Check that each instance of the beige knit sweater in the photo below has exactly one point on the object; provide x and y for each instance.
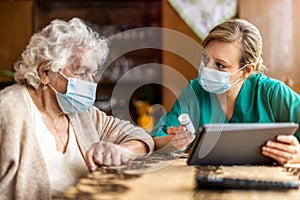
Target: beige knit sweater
(23, 173)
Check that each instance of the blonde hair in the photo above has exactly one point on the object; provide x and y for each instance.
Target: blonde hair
(244, 33)
(57, 44)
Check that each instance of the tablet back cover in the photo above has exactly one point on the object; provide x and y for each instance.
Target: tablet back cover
(236, 144)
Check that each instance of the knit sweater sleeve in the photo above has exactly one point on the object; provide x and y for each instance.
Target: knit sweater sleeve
(117, 131)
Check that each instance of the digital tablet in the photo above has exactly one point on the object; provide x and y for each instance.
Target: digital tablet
(236, 144)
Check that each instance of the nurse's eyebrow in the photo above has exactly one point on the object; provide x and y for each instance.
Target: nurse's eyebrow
(225, 62)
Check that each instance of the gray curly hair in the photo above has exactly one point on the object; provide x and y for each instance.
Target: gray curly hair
(57, 44)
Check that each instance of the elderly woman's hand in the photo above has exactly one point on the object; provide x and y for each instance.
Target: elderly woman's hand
(283, 150)
(105, 153)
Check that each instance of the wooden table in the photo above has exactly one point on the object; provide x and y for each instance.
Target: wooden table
(171, 179)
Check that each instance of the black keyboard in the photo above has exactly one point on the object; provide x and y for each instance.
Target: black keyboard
(211, 181)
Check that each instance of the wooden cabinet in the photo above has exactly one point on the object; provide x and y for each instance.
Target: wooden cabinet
(184, 65)
(15, 30)
(279, 24)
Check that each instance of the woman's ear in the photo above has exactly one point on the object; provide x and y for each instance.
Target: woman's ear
(43, 72)
(249, 69)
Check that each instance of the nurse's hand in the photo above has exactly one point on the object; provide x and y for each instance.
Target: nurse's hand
(285, 149)
(180, 138)
(105, 153)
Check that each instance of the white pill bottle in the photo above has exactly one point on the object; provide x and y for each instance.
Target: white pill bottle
(184, 120)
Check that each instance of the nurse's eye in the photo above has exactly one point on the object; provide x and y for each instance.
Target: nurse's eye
(220, 66)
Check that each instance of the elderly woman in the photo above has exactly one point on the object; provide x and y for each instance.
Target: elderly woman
(230, 88)
(51, 134)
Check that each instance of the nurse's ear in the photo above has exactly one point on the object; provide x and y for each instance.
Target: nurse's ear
(249, 69)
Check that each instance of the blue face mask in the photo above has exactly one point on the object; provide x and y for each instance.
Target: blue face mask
(79, 97)
(215, 81)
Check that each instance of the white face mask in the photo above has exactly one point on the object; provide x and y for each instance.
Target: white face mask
(215, 81)
(79, 97)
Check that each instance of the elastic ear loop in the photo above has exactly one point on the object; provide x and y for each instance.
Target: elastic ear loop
(245, 72)
(63, 75)
(243, 68)
(53, 87)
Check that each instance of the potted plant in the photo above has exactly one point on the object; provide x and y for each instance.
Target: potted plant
(10, 75)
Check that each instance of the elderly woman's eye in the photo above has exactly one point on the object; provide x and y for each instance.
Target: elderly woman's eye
(79, 73)
(205, 58)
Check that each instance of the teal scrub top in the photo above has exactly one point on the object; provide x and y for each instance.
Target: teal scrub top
(261, 100)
